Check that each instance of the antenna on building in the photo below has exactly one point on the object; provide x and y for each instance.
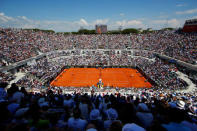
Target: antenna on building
(81, 28)
(120, 28)
(166, 24)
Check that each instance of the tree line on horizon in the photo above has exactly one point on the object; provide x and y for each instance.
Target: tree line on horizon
(86, 31)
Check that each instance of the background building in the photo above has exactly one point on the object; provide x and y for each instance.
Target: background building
(190, 26)
(100, 29)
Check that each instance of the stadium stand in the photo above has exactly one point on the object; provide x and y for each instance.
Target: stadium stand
(32, 104)
(190, 26)
(18, 45)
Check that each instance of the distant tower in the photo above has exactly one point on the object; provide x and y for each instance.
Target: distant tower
(81, 28)
(166, 24)
(190, 26)
(120, 28)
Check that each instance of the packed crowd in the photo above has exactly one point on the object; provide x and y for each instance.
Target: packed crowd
(47, 68)
(163, 74)
(179, 46)
(140, 110)
(18, 44)
(54, 108)
(92, 58)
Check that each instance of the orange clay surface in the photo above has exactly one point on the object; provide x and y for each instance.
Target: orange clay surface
(112, 77)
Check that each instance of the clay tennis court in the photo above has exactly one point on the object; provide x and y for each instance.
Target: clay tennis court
(112, 77)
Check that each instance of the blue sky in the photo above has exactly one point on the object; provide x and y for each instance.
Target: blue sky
(70, 15)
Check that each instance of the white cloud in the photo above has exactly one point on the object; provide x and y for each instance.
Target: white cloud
(24, 18)
(122, 14)
(194, 17)
(159, 21)
(28, 26)
(121, 23)
(174, 23)
(163, 16)
(132, 23)
(83, 22)
(5, 18)
(192, 11)
(100, 21)
(24, 22)
(180, 5)
(170, 23)
(64, 25)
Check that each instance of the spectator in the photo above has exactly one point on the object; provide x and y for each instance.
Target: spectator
(144, 116)
(75, 122)
(132, 127)
(3, 93)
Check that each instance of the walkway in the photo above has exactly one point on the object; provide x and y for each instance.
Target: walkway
(191, 86)
(19, 76)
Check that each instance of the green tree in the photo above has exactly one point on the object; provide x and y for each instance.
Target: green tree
(86, 31)
(130, 30)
